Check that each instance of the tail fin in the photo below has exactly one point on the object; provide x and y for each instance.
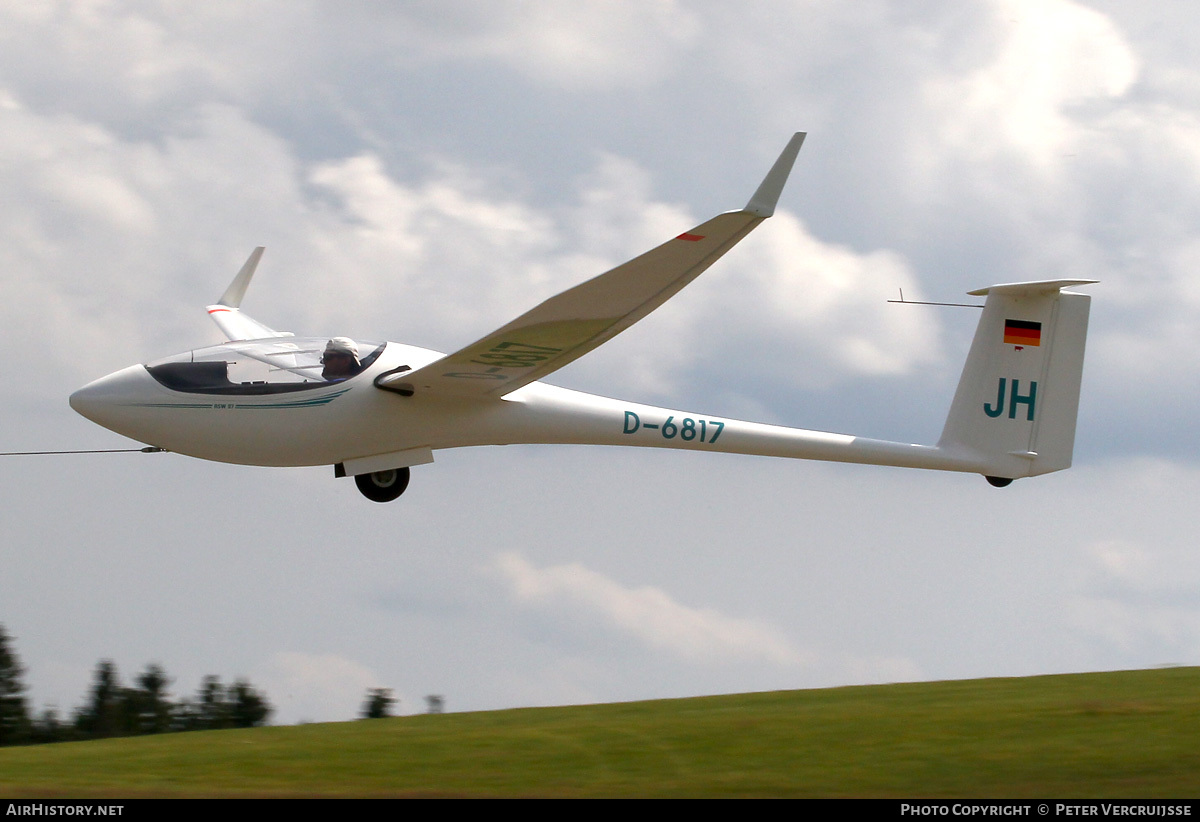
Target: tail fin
(1018, 396)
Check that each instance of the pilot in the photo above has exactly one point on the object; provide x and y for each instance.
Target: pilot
(340, 359)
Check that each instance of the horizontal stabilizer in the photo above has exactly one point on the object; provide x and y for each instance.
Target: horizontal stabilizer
(1029, 289)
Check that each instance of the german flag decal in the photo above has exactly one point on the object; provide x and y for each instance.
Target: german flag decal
(1022, 332)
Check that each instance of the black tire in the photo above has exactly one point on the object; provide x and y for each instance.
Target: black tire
(383, 486)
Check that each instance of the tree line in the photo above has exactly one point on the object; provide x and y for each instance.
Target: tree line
(112, 709)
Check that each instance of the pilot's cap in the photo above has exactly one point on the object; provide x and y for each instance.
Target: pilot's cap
(342, 345)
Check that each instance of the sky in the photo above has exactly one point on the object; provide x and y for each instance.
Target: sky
(424, 172)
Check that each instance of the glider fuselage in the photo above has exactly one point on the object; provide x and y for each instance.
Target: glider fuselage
(342, 422)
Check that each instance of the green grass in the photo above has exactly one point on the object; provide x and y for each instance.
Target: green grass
(1125, 734)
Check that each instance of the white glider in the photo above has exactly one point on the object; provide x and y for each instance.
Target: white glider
(373, 410)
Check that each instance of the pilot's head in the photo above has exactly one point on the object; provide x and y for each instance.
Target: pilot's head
(340, 358)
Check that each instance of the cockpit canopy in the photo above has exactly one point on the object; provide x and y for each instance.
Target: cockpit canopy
(269, 366)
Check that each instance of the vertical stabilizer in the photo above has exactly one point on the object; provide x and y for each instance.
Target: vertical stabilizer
(1018, 396)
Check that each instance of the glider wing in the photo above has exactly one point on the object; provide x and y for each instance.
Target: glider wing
(570, 324)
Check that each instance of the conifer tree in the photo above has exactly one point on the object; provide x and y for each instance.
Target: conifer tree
(248, 708)
(14, 715)
(151, 709)
(105, 712)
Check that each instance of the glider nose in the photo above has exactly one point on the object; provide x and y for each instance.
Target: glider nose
(105, 401)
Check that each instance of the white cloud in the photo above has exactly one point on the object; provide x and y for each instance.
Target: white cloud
(1047, 58)
(800, 294)
(98, 230)
(448, 250)
(578, 46)
(647, 614)
(132, 64)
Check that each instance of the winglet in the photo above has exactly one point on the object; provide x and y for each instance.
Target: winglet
(762, 204)
(227, 312)
(237, 289)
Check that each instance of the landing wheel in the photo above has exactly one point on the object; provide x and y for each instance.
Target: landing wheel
(383, 486)
(999, 482)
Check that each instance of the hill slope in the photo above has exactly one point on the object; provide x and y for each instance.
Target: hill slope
(1128, 734)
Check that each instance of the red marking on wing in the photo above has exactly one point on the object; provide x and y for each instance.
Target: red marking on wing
(691, 238)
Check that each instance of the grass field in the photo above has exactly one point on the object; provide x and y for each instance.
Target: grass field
(1124, 734)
